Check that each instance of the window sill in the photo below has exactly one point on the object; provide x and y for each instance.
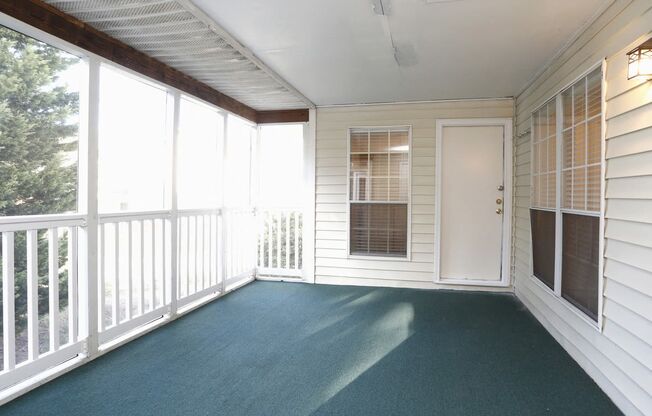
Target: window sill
(380, 258)
(567, 305)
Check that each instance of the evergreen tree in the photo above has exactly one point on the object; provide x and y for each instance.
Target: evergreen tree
(36, 134)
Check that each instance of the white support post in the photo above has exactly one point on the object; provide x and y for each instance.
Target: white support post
(308, 240)
(73, 310)
(224, 212)
(174, 107)
(88, 238)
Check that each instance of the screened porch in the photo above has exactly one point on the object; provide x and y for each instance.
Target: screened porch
(298, 208)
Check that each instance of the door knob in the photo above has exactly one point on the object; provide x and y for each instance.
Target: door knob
(499, 211)
(499, 201)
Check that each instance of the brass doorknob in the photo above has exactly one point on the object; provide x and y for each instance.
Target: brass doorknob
(499, 211)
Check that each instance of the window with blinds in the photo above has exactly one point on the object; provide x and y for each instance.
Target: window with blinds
(573, 120)
(379, 172)
(544, 191)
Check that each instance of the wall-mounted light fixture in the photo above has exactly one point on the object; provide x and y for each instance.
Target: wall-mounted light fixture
(640, 61)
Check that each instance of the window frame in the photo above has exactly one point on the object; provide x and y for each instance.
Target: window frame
(408, 252)
(559, 210)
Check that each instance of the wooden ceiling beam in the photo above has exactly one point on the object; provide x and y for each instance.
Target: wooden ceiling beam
(70, 29)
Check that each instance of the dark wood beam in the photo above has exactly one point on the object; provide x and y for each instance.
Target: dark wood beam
(283, 116)
(66, 27)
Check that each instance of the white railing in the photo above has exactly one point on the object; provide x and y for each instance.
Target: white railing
(199, 251)
(280, 242)
(34, 340)
(240, 245)
(134, 270)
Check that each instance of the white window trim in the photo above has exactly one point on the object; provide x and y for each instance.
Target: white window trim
(371, 257)
(506, 249)
(559, 211)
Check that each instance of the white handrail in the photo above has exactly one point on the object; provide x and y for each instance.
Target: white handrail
(133, 216)
(35, 222)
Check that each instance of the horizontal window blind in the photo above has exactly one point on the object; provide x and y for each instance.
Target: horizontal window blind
(543, 246)
(378, 191)
(579, 284)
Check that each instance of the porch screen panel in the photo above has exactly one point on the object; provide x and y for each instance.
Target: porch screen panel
(378, 191)
(134, 152)
(581, 173)
(544, 191)
(201, 135)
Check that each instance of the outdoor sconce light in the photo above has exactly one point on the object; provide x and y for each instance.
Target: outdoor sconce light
(640, 61)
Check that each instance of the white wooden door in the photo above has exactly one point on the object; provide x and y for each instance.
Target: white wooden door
(471, 216)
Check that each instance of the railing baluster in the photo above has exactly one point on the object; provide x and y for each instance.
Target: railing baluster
(116, 274)
(72, 285)
(187, 255)
(278, 239)
(141, 304)
(130, 277)
(210, 250)
(164, 267)
(196, 250)
(269, 220)
(200, 252)
(102, 282)
(296, 240)
(287, 239)
(32, 295)
(152, 291)
(8, 293)
(53, 286)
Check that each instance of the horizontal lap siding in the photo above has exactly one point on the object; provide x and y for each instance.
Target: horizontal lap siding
(332, 264)
(619, 358)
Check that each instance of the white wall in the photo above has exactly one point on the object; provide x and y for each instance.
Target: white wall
(331, 262)
(620, 357)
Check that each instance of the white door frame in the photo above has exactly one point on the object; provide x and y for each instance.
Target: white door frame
(506, 123)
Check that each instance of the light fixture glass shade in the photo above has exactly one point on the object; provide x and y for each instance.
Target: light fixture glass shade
(640, 61)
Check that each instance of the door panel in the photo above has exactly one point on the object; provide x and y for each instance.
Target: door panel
(472, 177)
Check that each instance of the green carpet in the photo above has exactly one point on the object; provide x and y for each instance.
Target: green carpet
(295, 349)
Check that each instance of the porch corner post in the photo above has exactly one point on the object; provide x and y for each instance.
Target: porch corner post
(173, 130)
(89, 313)
(309, 163)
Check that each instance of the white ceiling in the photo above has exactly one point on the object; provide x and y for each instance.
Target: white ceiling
(339, 51)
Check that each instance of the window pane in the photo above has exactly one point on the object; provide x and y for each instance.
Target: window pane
(378, 229)
(594, 93)
(579, 101)
(134, 153)
(39, 119)
(201, 131)
(359, 142)
(580, 262)
(379, 141)
(543, 246)
(281, 184)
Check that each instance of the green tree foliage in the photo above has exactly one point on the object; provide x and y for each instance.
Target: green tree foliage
(36, 133)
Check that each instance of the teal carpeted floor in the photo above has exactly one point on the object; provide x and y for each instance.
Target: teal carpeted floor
(293, 349)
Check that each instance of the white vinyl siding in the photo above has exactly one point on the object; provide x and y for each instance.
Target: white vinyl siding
(618, 358)
(332, 263)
